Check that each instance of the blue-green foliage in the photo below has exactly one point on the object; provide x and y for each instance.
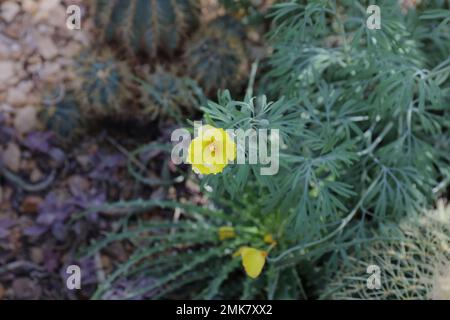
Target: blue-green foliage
(372, 111)
(188, 260)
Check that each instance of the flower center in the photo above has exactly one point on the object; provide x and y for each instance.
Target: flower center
(212, 148)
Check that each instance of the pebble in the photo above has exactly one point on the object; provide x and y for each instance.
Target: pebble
(36, 175)
(9, 10)
(30, 204)
(6, 70)
(47, 48)
(26, 119)
(11, 157)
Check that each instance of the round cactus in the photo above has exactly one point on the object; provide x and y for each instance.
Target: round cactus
(413, 260)
(62, 117)
(147, 26)
(163, 94)
(216, 59)
(230, 25)
(105, 84)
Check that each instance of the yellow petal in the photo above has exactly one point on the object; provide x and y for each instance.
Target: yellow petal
(195, 152)
(239, 252)
(253, 261)
(226, 232)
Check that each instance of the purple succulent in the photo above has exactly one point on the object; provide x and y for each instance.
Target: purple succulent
(5, 224)
(42, 142)
(105, 165)
(57, 207)
(52, 213)
(38, 141)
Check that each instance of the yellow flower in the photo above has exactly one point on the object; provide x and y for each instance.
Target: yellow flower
(226, 232)
(211, 150)
(268, 238)
(253, 260)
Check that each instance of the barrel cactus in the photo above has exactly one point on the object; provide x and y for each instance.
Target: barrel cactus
(230, 24)
(164, 94)
(147, 26)
(105, 84)
(413, 260)
(216, 57)
(62, 117)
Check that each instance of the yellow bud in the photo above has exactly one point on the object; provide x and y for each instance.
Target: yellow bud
(268, 238)
(226, 232)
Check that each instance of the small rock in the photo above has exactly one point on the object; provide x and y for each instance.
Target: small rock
(6, 70)
(11, 157)
(84, 161)
(71, 49)
(9, 10)
(26, 119)
(45, 9)
(5, 50)
(29, 6)
(16, 97)
(37, 255)
(14, 30)
(25, 288)
(20, 94)
(47, 48)
(31, 204)
(78, 184)
(36, 175)
(50, 71)
(47, 5)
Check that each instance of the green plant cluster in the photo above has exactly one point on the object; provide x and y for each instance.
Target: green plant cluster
(363, 117)
(189, 259)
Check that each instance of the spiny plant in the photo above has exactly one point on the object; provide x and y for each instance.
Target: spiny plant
(106, 84)
(148, 26)
(63, 117)
(196, 257)
(250, 11)
(164, 94)
(230, 25)
(413, 257)
(216, 58)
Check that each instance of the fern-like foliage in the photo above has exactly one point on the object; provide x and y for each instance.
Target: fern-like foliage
(362, 116)
(148, 26)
